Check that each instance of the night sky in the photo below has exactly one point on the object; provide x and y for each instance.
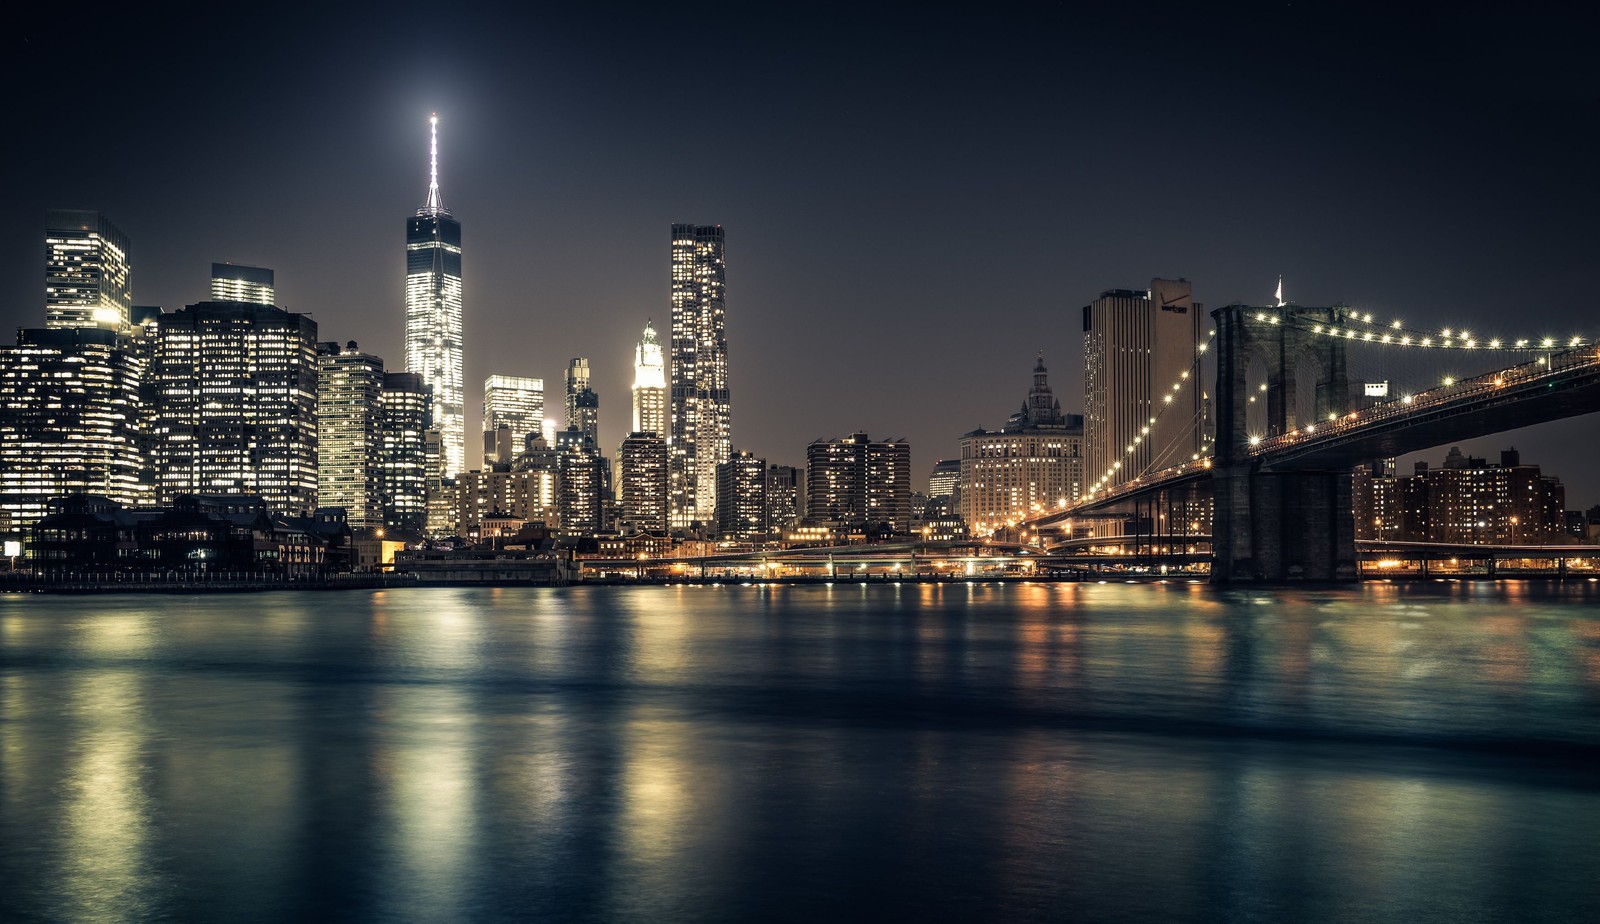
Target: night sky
(916, 198)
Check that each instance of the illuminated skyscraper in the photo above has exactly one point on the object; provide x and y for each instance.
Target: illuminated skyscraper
(644, 483)
(858, 480)
(514, 402)
(86, 277)
(1033, 464)
(69, 420)
(349, 433)
(742, 497)
(701, 437)
(236, 404)
(406, 408)
(433, 313)
(235, 282)
(1136, 344)
(649, 385)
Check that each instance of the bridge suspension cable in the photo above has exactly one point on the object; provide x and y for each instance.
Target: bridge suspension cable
(1188, 377)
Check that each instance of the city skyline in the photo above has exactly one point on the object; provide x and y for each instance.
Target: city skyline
(1335, 169)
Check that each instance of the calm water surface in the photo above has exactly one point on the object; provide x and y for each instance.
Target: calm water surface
(961, 753)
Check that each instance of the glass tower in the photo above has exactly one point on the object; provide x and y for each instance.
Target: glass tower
(86, 273)
(237, 282)
(433, 314)
(700, 438)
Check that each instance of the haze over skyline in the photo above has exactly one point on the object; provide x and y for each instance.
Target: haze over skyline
(915, 201)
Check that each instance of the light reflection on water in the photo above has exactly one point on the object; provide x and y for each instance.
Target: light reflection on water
(948, 752)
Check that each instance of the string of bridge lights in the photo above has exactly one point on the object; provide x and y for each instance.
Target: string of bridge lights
(1395, 333)
(1166, 402)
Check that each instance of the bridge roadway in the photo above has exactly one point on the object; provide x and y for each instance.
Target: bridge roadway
(1559, 385)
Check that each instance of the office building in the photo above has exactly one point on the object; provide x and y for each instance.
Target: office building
(350, 451)
(858, 481)
(579, 483)
(69, 421)
(1033, 464)
(405, 407)
(643, 459)
(649, 385)
(516, 403)
(235, 282)
(87, 276)
(944, 479)
(236, 394)
(1136, 345)
(434, 312)
(742, 497)
(583, 405)
(701, 437)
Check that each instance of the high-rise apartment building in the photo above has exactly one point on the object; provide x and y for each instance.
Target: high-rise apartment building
(69, 420)
(742, 497)
(643, 459)
(1033, 464)
(1467, 500)
(944, 479)
(701, 436)
(350, 433)
(785, 491)
(1136, 345)
(236, 398)
(403, 482)
(859, 481)
(433, 314)
(649, 385)
(87, 277)
(235, 282)
(515, 402)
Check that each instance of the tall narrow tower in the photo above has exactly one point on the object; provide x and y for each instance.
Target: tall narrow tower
(433, 313)
(701, 437)
(649, 385)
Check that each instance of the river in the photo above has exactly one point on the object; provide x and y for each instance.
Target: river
(950, 752)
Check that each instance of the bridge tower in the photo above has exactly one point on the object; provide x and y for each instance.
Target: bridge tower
(1273, 376)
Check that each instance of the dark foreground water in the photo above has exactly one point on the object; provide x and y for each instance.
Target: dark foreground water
(953, 753)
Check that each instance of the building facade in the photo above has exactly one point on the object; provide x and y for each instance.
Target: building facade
(701, 437)
(643, 459)
(405, 408)
(1136, 345)
(742, 498)
(434, 314)
(785, 496)
(236, 397)
(88, 273)
(69, 421)
(1033, 464)
(350, 438)
(236, 282)
(649, 385)
(859, 481)
(580, 483)
(515, 402)
(1467, 500)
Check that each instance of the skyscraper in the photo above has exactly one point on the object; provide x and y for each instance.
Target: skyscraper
(86, 276)
(1136, 344)
(69, 420)
(406, 408)
(433, 313)
(701, 436)
(236, 404)
(583, 405)
(235, 282)
(515, 402)
(579, 485)
(350, 433)
(742, 497)
(649, 385)
(643, 458)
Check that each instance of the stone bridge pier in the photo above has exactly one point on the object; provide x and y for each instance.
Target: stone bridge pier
(1272, 377)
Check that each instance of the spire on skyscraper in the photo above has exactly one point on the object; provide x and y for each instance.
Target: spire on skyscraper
(435, 204)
